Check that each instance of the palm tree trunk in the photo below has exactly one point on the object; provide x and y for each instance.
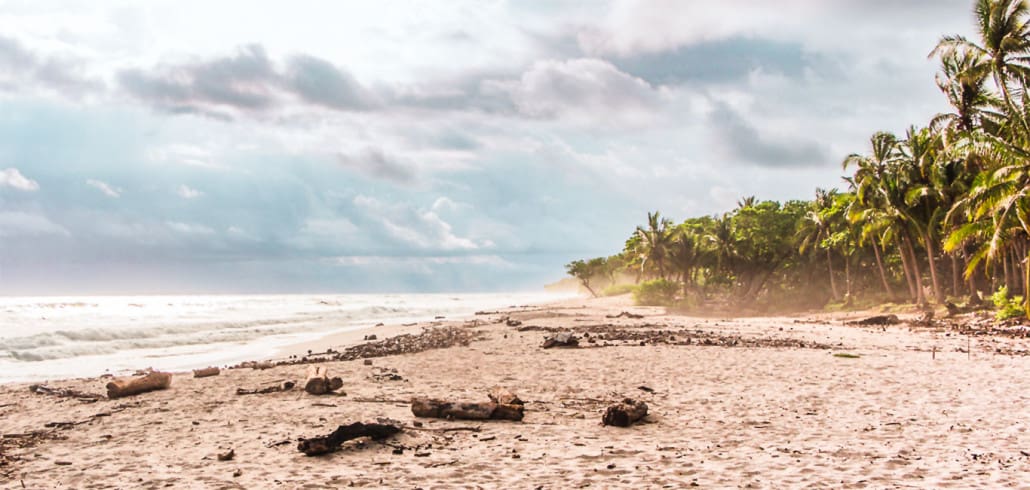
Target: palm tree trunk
(1005, 266)
(833, 283)
(933, 268)
(917, 274)
(954, 275)
(847, 280)
(883, 272)
(909, 277)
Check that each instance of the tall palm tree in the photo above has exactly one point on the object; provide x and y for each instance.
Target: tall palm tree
(654, 242)
(1004, 46)
(816, 229)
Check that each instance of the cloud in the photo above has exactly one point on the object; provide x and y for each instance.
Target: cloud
(583, 87)
(21, 69)
(189, 228)
(19, 223)
(186, 192)
(247, 82)
(105, 188)
(375, 163)
(423, 229)
(11, 177)
(319, 82)
(737, 139)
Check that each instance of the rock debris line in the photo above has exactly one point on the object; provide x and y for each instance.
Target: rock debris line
(610, 335)
(430, 338)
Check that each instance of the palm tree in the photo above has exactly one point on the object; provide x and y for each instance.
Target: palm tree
(816, 230)
(1004, 49)
(654, 242)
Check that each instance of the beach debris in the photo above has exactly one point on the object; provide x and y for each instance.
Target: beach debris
(154, 380)
(430, 338)
(386, 374)
(227, 456)
(318, 381)
(495, 409)
(371, 337)
(646, 389)
(256, 364)
(511, 322)
(206, 372)
(504, 396)
(332, 441)
(367, 362)
(65, 393)
(625, 413)
(286, 386)
(877, 320)
(625, 314)
(563, 339)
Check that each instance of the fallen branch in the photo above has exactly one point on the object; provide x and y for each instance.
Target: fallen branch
(440, 409)
(625, 314)
(287, 386)
(331, 442)
(206, 372)
(154, 380)
(65, 393)
(564, 339)
(877, 320)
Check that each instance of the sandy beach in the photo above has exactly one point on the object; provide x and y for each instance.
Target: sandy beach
(733, 402)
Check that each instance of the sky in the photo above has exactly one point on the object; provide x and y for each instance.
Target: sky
(421, 146)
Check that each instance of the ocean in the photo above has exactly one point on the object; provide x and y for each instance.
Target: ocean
(66, 337)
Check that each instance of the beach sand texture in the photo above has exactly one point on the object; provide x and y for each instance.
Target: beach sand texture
(767, 406)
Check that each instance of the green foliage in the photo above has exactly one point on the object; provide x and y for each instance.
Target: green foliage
(618, 289)
(656, 292)
(1007, 307)
(587, 271)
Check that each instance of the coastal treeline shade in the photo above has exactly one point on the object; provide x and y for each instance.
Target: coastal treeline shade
(941, 210)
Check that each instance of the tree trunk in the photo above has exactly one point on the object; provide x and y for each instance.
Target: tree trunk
(918, 274)
(151, 381)
(318, 381)
(883, 271)
(954, 276)
(425, 407)
(625, 413)
(909, 277)
(932, 263)
(344, 433)
(833, 283)
(847, 279)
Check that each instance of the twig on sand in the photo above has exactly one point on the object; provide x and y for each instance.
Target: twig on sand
(446, 429)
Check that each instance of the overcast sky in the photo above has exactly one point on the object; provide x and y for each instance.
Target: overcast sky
(245, 146)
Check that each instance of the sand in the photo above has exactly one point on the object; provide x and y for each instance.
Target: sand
(913, 410)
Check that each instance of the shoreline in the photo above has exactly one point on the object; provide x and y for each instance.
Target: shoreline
(766, 402)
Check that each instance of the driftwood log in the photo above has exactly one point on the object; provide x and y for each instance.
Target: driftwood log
(154, 380)
(624, 414)
(878, 320)
(625, 314)
(287, 386)
(331, 442)
(206, 372)
(440, 409)
(564, 339)
(504, 397)
(319, 382)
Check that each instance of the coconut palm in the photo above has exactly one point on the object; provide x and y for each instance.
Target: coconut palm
(654, 242)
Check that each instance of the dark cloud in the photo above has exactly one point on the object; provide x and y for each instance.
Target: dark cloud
(722, 61)
(319, 82)
(740, 141)
(21, 68)
(247, 81)
(375, 163)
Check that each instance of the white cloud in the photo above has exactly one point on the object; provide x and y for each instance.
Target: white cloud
(19, 223)
(11, 177)
(187, 192)
(105, 188)
(189, 228)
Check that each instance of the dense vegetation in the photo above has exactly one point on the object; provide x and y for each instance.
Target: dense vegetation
(941, 211)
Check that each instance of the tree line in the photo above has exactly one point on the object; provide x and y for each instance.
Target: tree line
(940, 211)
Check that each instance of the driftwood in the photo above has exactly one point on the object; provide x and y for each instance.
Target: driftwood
(332, 441)
(624, 414)
(154, 380)
(504, 397)
(564, 339)
(878, 320)
(287, 386)
(319, 382)
(206, 372)
(65, 393)
(625, 314)
(440, 409)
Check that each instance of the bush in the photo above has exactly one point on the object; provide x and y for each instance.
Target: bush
(617, 289)
(1007, 308)
(658, 292)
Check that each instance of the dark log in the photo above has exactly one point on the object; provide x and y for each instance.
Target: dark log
(625, 314)
(154, 380)
(344, 433)
(440, 409)
(564, 339)
(287, 386)
(624, 414)
(206, 372)
(504, 397)
(878, 320)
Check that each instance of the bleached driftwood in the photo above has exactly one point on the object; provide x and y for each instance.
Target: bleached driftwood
(154, 380)
(441, 409)
(206, 372)
(319, 382)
